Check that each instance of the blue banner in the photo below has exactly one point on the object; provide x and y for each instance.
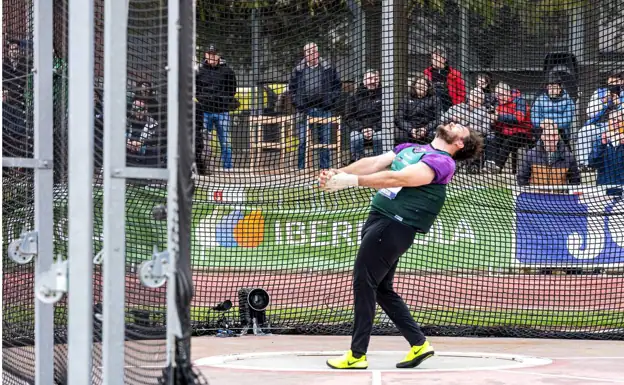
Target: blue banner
(561, 229)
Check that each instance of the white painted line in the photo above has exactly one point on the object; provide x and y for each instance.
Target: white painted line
(588, 358)
(376, 377)
(561, 376)
(511, 361)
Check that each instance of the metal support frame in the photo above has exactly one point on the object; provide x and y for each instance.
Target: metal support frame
(140, 173)
(114, 270)
(44, 185)
(387, 64)
(463, 37)
(359, 46)
(173, 94)
(80, 207)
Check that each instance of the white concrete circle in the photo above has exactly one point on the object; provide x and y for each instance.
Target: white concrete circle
(383, 361)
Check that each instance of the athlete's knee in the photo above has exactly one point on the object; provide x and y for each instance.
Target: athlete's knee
(363, 277)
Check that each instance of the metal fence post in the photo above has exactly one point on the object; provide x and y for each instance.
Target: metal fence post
(114, 271)
(44, 185)
(80, 203)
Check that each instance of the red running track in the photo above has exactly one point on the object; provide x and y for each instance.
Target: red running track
(522, 292)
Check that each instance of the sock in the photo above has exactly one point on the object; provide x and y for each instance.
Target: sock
(357, 355)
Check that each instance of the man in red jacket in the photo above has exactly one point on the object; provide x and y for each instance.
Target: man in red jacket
(447, 81)
(512, 128)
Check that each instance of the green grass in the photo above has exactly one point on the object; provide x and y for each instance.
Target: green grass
(571, 321)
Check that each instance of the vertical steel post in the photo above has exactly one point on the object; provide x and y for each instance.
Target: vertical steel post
(44, 184)
(114, 296)
(80, 167)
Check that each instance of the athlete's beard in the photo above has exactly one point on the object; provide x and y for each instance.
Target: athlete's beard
(445, 134)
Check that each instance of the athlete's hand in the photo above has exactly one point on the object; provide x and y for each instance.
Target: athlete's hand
(341, 181)
(326, 175)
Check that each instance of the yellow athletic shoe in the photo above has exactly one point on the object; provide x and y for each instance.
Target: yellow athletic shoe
(416, 356)
(347, 361)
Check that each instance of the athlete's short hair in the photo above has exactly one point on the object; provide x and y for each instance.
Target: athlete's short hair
(473, 145)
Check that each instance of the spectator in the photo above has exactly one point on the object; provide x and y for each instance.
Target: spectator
(474, 115)
(419, 114)
(315, 90)
(447, 82)
(607, 155)
(512, 129)
(555, 104)
(484, 83)
(15, 140)
(364, 118)
(550, 162)
(146, 143)
(603, 101)
(216, 90)
(147, 93)
(15, 72)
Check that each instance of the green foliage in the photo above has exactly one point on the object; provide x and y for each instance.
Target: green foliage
(531, 12)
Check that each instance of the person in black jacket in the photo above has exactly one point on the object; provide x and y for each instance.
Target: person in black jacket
(216, 90)
(419, 114)
(364, 118)
(15, 70)
(315, 89)
(550, 162)
(15, 139)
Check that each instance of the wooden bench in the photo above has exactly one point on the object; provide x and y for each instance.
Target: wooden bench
(256, 136)
(311, 146)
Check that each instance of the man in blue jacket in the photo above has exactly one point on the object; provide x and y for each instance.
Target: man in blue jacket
(315, 89)
(550, 162)
(607, 155)
(554, 104)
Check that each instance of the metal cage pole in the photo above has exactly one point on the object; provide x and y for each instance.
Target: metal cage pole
(44, 185)
(80, 210)
(173, 92)
(387, 64)
(114, 270)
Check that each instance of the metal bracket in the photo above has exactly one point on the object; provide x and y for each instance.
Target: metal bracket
(50, 285)
(99, 257)
(23, 250)
(154, 273)
(256, 329)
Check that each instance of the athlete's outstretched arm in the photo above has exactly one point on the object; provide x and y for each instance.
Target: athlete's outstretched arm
(415, 175)
(370, 164)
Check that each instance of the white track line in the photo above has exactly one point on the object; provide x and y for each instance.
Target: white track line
(376, 378)
(521, 372)
(588, 358)
(508, 361)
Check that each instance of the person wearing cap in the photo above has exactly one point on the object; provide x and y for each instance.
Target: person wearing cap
(215, 91)
(447, 81)
(557, 105)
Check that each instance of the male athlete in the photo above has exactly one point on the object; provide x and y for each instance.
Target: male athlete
(410, 197)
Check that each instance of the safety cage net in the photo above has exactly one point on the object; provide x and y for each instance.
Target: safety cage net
(146, 131)
(529, 242)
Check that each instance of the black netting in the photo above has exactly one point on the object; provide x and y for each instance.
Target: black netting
(527, 243)
(17, 191)
(146, 227)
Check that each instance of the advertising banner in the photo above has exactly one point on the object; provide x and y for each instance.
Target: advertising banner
(468, 234)
(557, 229)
